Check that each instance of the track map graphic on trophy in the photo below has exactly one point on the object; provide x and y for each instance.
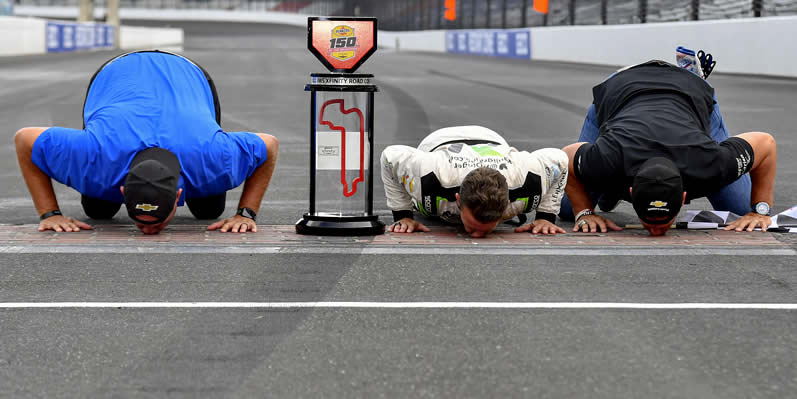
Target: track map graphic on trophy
(349, 148)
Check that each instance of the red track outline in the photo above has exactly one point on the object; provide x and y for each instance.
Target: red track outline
(342, 130)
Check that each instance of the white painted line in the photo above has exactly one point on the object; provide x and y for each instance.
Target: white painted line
(373, 249)
(400, 305)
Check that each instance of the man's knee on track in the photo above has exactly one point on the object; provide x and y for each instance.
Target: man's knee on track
(204, 212)
(101, 213)
(99, 209)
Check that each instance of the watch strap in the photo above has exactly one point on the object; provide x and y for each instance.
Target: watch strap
(50, 214)
(247, 213)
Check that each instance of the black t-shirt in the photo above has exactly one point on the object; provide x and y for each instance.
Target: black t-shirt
(658, 110)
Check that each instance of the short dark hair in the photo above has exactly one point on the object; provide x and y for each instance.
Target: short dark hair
(485, 192)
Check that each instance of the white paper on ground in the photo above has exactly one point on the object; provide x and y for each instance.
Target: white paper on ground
(702, 226)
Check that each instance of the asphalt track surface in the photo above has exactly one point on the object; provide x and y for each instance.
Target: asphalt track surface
(343, 350)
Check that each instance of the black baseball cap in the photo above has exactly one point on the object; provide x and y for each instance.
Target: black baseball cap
(657, 193)
(151, 185)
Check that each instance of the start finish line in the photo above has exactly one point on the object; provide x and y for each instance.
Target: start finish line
(443, 240)
(400, 305)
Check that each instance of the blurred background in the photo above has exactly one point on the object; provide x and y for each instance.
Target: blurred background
(467, 14)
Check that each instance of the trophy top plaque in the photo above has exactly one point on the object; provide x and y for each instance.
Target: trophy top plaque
(342, 44)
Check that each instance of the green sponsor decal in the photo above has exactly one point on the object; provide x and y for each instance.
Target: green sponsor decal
(486, 151)
(525, 200)
(421, 209)
(439, 200)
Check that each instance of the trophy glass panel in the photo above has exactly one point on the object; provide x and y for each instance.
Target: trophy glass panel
(341, 154)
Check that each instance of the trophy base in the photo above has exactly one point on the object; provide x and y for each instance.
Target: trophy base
(340, 225)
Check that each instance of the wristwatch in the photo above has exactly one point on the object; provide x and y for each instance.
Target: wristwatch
(50, 214)
(762, 208)
(247, 213)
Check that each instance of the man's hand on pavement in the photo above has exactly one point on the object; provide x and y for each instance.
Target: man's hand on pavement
(540, 226)
(235, 224)
(60, 223)
(407, 225)
(593, 223)
(750, 222)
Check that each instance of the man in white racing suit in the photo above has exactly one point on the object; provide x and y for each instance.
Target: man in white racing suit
(470, 175)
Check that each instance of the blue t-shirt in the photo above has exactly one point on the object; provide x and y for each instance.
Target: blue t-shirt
(145, 100)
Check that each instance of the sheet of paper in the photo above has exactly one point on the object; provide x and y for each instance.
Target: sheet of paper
(329, 151)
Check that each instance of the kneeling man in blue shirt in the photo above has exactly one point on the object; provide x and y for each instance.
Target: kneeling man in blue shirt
(151, 141)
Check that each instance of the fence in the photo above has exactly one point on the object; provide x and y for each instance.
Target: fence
(474, 14)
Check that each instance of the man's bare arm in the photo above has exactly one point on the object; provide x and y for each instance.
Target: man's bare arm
(256, 185)
(40, 185)
(254, 189)
(579, 198)
(575, 190)
(762, 176)
(765, 160)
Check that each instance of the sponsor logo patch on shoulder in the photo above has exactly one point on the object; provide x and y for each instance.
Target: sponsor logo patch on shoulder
(146, 207)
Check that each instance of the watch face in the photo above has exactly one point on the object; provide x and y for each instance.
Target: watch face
(762, 208)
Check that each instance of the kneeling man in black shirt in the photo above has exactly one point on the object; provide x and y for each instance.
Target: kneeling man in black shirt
(654, 136)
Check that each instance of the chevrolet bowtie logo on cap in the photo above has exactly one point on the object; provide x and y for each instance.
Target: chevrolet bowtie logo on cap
(658, 204)
(146, 207)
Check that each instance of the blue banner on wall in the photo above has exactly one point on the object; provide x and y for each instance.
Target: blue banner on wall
(70, 36)
(6, 7)
(496, 43)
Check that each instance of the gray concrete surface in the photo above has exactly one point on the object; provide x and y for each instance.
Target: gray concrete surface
(260, 71)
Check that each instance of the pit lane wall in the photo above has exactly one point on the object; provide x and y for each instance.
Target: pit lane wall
(23, 36)
(756, 46)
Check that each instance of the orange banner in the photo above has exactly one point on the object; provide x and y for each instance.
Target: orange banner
(541, 6)
(451, 10)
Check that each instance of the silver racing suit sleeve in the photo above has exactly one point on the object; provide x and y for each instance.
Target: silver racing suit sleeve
(394, 164)
(556, 159)
(552, 162)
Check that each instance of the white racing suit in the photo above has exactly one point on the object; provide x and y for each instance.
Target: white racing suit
(427, 178)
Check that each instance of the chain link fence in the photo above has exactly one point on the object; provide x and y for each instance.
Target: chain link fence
(470, 14)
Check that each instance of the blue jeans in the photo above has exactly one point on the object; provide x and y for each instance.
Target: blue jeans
(734, 197)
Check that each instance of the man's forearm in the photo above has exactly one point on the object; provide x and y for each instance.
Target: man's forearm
(39, 184)
(765, 161)
(575, 190)
(40, 187)
(256, 185)
(577, 194)
(763, 180)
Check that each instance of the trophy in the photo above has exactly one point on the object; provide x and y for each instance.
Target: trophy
(341, 129)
